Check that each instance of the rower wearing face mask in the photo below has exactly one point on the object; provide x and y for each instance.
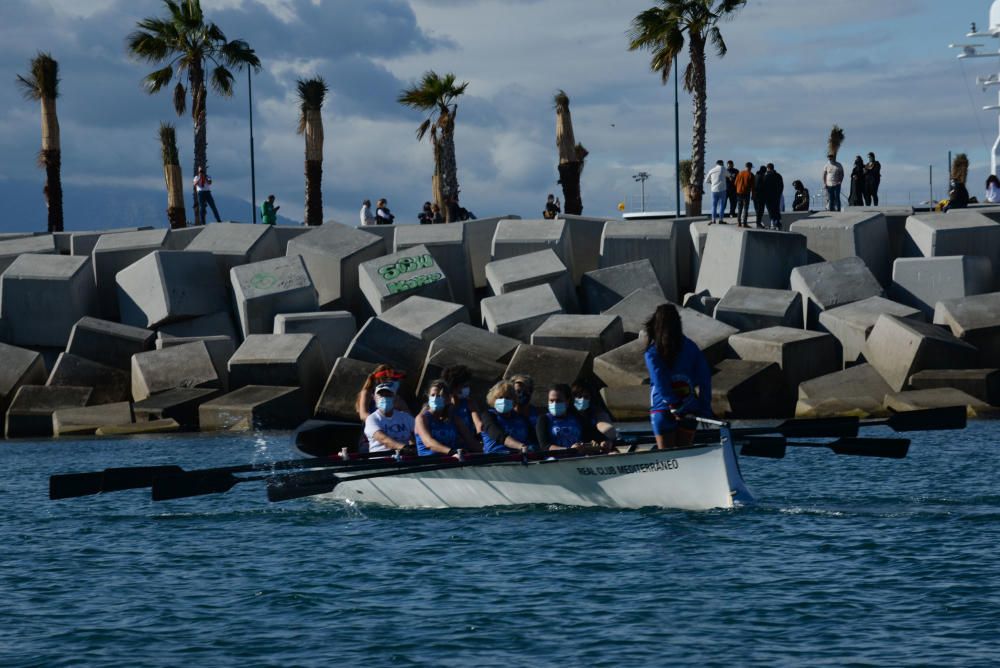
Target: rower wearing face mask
(562, 428)
(524, 387)
(438, 429)
(465, 408)
(387, 428)
(592, 411)
(504, 429)
(383, 373)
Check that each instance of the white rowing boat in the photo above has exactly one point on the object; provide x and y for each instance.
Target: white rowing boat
(696, 478)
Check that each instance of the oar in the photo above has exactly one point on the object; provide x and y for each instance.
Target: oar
(927, 419)
(775, 447)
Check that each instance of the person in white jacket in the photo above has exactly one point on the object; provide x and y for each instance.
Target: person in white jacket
(716, 181)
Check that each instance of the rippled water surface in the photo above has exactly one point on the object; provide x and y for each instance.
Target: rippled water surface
(843, 560)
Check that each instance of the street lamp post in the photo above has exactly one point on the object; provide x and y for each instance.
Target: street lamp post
(253, 174)
(677, 142)
(641, 178)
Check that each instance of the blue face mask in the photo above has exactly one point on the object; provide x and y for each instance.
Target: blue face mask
(503, 405)
(581, 404)
(435, 403)
(384, 404)
(557, 408)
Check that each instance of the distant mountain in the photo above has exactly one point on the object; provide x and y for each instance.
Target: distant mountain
(102, 207)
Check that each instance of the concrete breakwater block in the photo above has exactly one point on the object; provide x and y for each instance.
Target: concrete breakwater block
(219, 323)
(181, 238)
(595, 334)
(88, 419)
(832, 236)
(604, 288)
(895, 222)
(898, 348)
(625, 365)
(179, 404)
(636, 308)
(333, 331)
(984, 384)
(940, 397)
(43, 296)
(975, 320)
(387, 233)
(82, 243)
(20, 367)
(291, 360)
(745, 389)
(220, 349)
(264, 289)
(338, 400)
(688, 255)
(11, 248)
(748, 308)
(110, 383)
(332, 254)
(518, 314)
(520, 237)
(115, 252)
(479, 236)
(524, 271)
(626, 241)
(30, 411)
(233, 244)
(585, 234)
(165, 286)
(858, 390)
(255, 407)
(750, 258)
(827, 285)
(710, 335)
(702, 302)
(627, 402)
(449, 247)
(547, 366)
(852, 323)
(801, 355)
(388, 281)
(923, 282)
(476, 342)
(285, 233)
(109, 343)
(189, 365)
(959, 232)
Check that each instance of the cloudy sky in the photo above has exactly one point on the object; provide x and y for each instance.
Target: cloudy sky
(882, 70)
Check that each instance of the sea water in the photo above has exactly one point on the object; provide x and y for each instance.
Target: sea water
(843, 560)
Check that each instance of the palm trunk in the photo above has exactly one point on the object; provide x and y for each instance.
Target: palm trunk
(314, 167)
(448, 164)
(51, 158)
(176, 214)
(699, 99)
(196, 81)
(570, 167)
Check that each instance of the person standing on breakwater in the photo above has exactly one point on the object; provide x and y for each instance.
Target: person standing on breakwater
(801, 199)
(873, 178)
(759, 200)
(744, 184)
(437, 218)
(203, 187)
(731, 174)
(383, 216)
(856, 196)
(552, 208)
(426, 215)
(833, 177)
(269, 212)
(367, 218)
(774, 190)
(562, 428)
(680, 380)
(958, 196)
(504, 429)
(387, 428)
(992, 189)
(716, 182)
(439, 431)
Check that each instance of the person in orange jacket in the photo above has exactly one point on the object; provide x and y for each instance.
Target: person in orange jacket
(745, 186)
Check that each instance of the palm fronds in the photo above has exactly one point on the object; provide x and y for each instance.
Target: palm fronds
(835, 141)
(312, 93)
(960, 168)
(42, 80)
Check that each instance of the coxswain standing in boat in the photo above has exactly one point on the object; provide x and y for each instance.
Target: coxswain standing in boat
(524, 387)
(466, 409)
(439, 431)
(562, 428)
(680, 380)
(387, 428)
(504, 429)
(383, 373)
(589, 410)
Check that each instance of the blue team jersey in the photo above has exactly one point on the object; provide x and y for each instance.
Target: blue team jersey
(442, 431)
(462, 412)
(516, 427)
(565, 431)
(674, 387)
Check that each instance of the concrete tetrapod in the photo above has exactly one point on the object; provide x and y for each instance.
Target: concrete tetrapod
(110, 383)
(43, 296)
(264, 289)
(827, 285)
(189, 365)
(107, 342)
(595, 334)
(852, 323)
(898, 348)
(984, 384)
(858, 390)
(604, 288)
(520, 237)
(832, 236)
(11, 248)
(388, 281)
(115, 252)
(923, 282)
(166, 286)
(233, 244)
(975, 320)
(338, 401)
(30, 411)
(20, 367)
(332, 254)
(524, 271)
(626, 241)
(449, 247)
(745, 389)
(289, 360)
(959, 232)
(255, 407)
(747, 308)
(333, 330)
(750, 258)
(801, 355)
(518, 314)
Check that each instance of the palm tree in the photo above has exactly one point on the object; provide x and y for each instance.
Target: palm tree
(572, 156)
(437, 94)
(42, 84)
(312, 92)
(187, 44)
(663, 30)
(176, 215)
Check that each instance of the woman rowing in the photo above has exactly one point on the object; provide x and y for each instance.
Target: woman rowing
(388, 428)
(439, 431)
(504, 429)
(562, 428)
(593, 412)
(466, 409)
(680, 380)
(524, 387)
(382, 374)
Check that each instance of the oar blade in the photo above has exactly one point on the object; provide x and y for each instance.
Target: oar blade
(300, 485)
(769, 447)
(72, 485)
(890, 448)
(195, 483)
(929, 419)
(136, 477)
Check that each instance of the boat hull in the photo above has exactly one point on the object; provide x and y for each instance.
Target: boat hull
(698, 478)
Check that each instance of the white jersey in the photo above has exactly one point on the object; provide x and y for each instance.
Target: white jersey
(398, 427)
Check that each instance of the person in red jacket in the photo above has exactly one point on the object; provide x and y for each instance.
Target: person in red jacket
(745, 185)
